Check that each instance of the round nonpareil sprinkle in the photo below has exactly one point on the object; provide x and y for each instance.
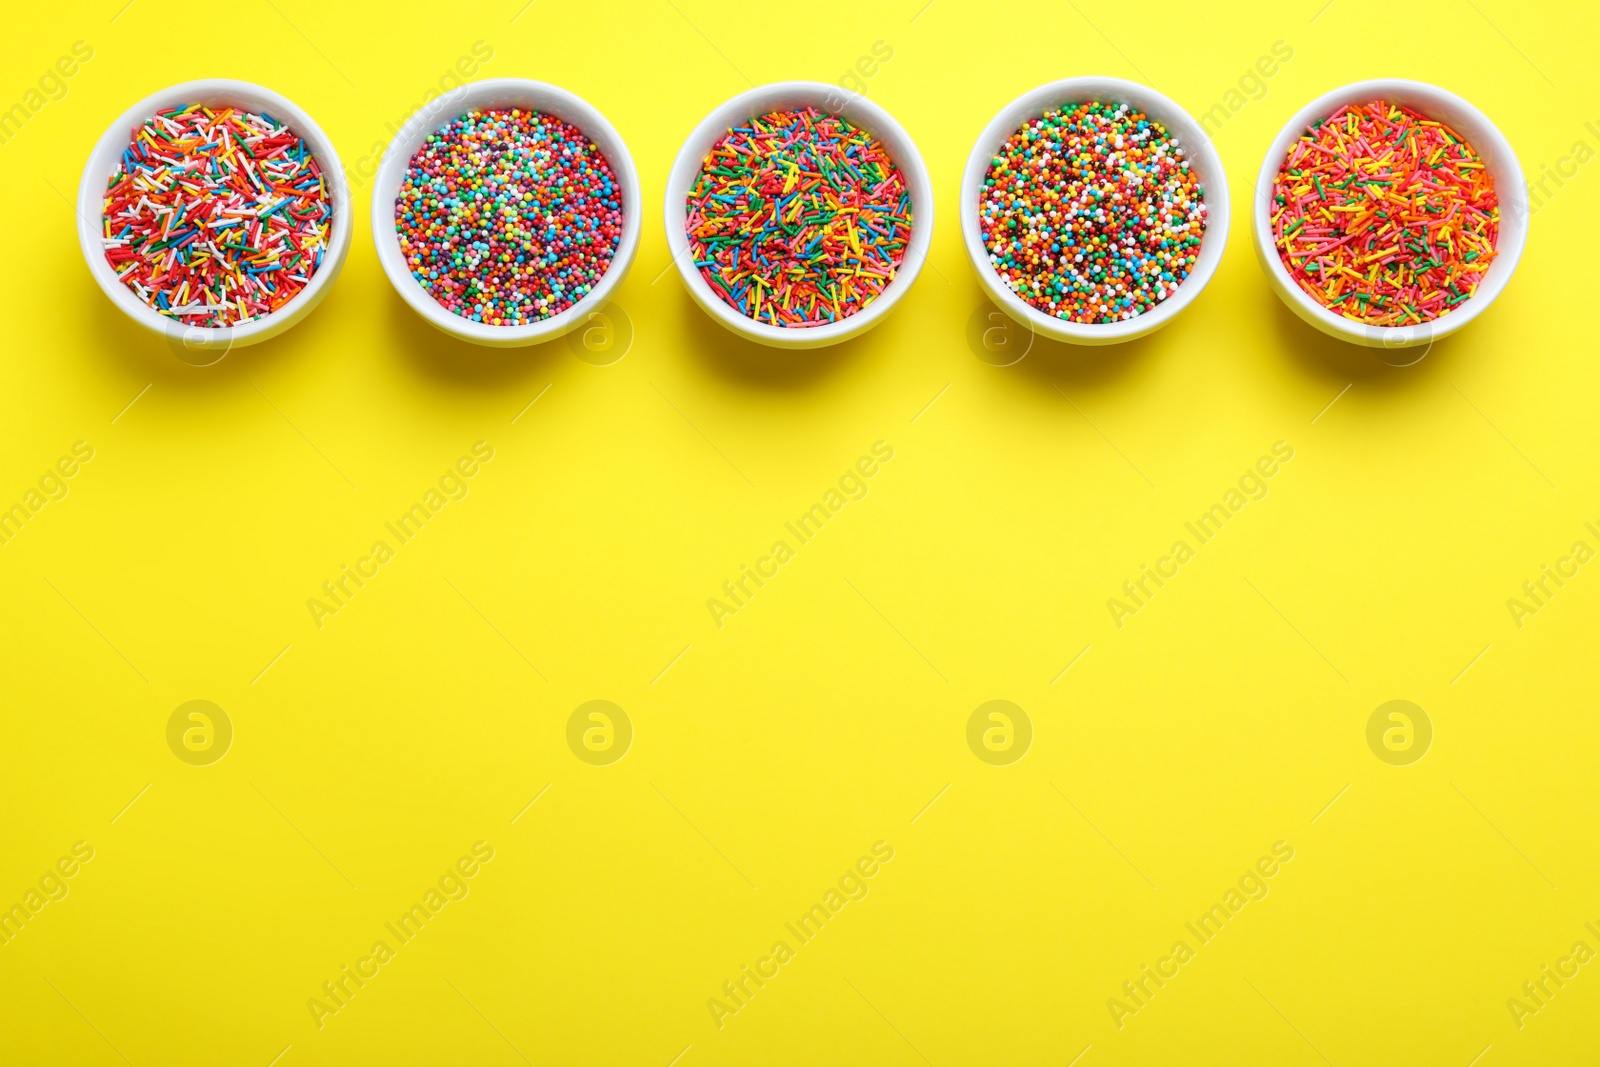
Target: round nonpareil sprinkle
(1385, 216)
(1090, 213)
(798, 219)
(507, 217)
(216, 217)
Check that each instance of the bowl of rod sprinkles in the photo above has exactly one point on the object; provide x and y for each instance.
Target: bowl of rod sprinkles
(505, 212)
(798, 215)
(214, 213)
(1094, 210)
(1390, 213)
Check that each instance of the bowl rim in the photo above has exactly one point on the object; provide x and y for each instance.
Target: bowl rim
(855, 108)
(91, 206)
(540, 96)
(1179, 123)
(1514, 215)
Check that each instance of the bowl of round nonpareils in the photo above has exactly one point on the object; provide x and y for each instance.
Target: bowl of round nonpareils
(505, 211)
(1094, 210)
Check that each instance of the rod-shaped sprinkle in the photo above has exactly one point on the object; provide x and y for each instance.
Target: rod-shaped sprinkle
(215, 217)
(798, 219)
(1385, 216)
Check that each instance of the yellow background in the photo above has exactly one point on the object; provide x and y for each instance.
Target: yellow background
(830, 711)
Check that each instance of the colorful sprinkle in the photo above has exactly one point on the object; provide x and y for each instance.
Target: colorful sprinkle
(216, 218)
(798, 219)
(1090, 213)
(1384, 216)
(507, 217)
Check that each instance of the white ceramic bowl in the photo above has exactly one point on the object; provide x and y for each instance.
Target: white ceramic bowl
(212, 92)
(1491, 146)
(484, 95)
(1203, 161)
(854, 109)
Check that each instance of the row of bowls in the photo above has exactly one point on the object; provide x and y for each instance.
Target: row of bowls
(1430, 100)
